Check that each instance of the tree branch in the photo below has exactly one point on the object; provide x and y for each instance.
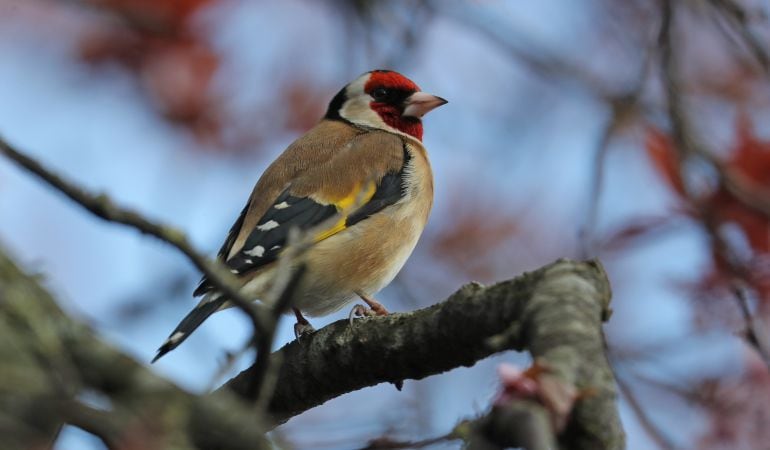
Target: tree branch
(555, 312)
(688, 144)
(739, 19)
(662, 441)
(101, 206)
(50, 361)
(520, 424)
(755, 335)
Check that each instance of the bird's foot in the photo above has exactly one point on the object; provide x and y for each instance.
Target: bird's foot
(360, 311)
(374, 305)
(302, 327)
(375, 309)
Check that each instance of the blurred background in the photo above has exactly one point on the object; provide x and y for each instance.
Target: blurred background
(557, 141)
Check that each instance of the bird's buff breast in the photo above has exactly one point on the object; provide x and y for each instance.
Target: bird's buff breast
(367, 256)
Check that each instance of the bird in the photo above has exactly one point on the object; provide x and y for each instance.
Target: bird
(363, 176)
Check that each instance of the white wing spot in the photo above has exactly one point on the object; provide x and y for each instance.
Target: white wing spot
(235, 271)
(269, 225)
(248, 261)
(282, 205)
(175, 337)
(257, 251)
(211, 297)
(275, 247)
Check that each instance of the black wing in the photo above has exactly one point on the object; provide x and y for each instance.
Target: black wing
(287, 212)
(266, 240)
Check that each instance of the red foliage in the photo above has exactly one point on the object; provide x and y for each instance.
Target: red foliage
(635, 232)
(154, 39)
(665, 159)
(748, 163)
(307, 103)
(737, 411)
(476, 232)
(167, 16)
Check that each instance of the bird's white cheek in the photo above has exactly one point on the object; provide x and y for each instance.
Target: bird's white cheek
(358, 111)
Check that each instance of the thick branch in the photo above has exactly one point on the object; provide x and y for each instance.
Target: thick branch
(555, 312)
(521, 424)
(49, 361)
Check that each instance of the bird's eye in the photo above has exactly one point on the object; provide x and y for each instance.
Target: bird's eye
(379, 93)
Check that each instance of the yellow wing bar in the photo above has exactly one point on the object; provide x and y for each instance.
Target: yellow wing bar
(357, 198)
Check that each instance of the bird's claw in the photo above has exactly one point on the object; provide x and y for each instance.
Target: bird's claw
(302, 329)
(360, 311)
(376, 307)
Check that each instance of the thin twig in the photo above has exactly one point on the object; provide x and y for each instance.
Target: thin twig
(386, 443)
(536, 57)
(262, 365)
(641, 415)
(679, 127)
(738, 18)
(697, 396)
(290, 269)
(101, 206)
(686, 142)
(588, 231)
(228, 364)
(623, 108)
(688, 145)
(103, 424)
(756, 335)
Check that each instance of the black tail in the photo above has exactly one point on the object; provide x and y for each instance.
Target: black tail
(191, 321)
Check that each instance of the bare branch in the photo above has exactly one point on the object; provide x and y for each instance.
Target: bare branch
(688, 145)
(537, 58)
(520, 424)
(644, 419)
(756, 335)
(739, 19)
(266, 362)
(41, 344)
(555, 312)
(101, 206)
(385, 443)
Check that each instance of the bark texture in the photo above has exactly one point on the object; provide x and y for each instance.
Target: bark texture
(556, 313)
(50, 363)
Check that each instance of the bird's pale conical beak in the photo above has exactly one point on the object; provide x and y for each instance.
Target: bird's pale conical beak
(420, 103)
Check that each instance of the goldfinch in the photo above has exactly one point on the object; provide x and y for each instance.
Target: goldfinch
(363, 162)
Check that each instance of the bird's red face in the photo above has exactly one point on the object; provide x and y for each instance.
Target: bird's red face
(388, 91)
(384, 99)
